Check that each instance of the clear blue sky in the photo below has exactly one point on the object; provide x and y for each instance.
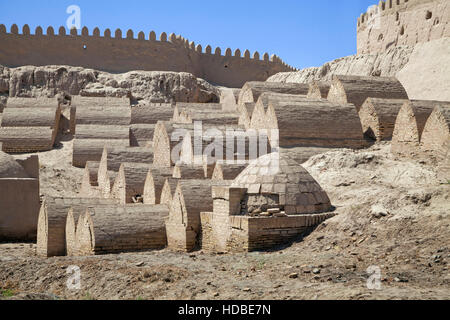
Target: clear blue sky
(303, 33)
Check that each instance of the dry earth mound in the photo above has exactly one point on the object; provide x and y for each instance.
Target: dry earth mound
(149, 86)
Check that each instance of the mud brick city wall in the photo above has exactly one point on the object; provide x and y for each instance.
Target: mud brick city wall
(402, 22)
(116, 54)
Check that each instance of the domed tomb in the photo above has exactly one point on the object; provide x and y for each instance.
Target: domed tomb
(275, 181)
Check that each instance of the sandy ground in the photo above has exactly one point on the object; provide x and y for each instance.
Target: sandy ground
(392, 215)
(57, 176)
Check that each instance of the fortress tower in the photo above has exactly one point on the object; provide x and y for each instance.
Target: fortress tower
(116, 54)
(402, 22)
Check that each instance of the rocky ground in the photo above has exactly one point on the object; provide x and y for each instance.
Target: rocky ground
(392, 214)
(139, 86)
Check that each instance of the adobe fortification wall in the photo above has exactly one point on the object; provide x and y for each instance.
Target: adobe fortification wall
(402, 22)
(117, 54)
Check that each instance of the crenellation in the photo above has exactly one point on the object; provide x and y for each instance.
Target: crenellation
(172, 38)
(163, 37)
(256, 55)
(107, 34)
(14, 29)
(118, 34)
(228, 52)
(26, 30)
(199, 48)
(39, 31)
(2, 28)
(237, 53)
(208, 49)
(50, 31)
(96, 32)
(152, 36)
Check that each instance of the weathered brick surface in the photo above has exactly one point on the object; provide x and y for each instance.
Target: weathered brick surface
(278, 174)
(409, 126)
(52, 222)
(91, 149)
(26, 139)
(221, 233)
(189, 172)
(189, 199)
(175, 143)
(318, 90)
(89, 183)
(356, 89)
(183, 112)
(104, 102)
(154, 184)
(113, 157)
(245, 114)
(141, 134)
(208, 114)
(19, 102)
(19, 206)
(95, 131)
(378, 117)
(130, 181)
(314, 123)
(31, 117)
(224, 171)
(224, 96)
(170, 184)
(151, 114)
(251, 91)
(259, 118)
(116, 229)
(103, 116)
(100, 111)
(436, 134)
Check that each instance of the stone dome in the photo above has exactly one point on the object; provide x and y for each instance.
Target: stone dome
(277, 181)
(9, 168)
